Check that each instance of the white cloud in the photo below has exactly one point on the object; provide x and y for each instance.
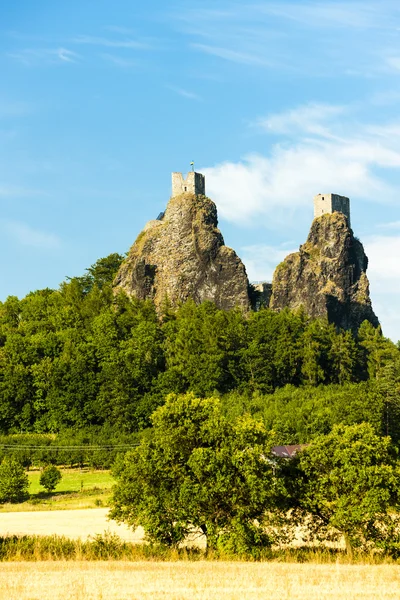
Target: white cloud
(311, 118)
(279, 184)
(384, 264)
(316, 157)
(26, 235)
(261, 260)
(44, 56)
(384, 276)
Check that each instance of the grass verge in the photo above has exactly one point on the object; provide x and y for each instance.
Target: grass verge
(109, 546)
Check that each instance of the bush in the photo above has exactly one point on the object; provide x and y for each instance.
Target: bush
(50, 477)
(13, 481)
(244, 540)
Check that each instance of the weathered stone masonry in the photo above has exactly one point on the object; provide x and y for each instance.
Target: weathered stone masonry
(193, 184)
(330, 203)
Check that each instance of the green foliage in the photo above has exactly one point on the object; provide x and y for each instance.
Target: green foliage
(351, 481)
(101, 274)
(50, 477)
(13, 481)
(80, 361)
(298, 415)
(197, 471)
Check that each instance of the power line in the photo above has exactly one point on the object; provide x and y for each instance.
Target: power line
(88, 447)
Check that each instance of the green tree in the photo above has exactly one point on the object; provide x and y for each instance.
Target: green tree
(13, 481)
(197, 471)
(203, 345)
(50, 477)
(377, 351)
(315, 342)
(351, 481)
(101, 274)
(343, 357)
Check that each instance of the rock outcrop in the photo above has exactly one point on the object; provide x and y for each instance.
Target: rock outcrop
(183, 256)
(327, 276)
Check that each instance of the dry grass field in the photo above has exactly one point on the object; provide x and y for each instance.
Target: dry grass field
(196, 581)
(71, 523)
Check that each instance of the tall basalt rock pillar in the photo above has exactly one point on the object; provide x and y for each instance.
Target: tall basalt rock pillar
(183, 256)
(327, 276)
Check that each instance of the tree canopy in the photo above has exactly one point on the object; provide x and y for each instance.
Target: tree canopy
(197, 471)
(81, 356)
(351, 481)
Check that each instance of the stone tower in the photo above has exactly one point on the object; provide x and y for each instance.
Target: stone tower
(330, 203)
(195, 183)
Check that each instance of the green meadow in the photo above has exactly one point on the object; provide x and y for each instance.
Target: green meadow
(77, 489)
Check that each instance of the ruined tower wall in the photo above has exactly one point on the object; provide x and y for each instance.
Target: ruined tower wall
(193, 184)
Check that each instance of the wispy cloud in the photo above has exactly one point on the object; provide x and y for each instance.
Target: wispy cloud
(108, 43)
(118, 61)
(355, 38)
(311, 118)
(26, 235)
(53, 52)
(185, 93)
(330, 15)
(244, 58)
(44, 56)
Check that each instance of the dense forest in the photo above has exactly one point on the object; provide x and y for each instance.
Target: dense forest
(83, 359)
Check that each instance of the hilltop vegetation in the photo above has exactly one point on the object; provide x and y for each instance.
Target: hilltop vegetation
(82, 358)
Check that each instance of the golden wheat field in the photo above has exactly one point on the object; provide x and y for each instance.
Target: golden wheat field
(196, 581)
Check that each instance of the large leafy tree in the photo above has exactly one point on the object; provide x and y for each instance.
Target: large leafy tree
(197, 471)
(351, 481)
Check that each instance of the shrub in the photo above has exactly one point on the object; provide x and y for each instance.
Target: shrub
(13, 481)
(50, 477)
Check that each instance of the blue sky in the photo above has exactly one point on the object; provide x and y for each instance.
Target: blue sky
(274, 101)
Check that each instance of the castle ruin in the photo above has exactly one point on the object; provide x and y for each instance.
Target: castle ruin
(330, 203)
(195, 183)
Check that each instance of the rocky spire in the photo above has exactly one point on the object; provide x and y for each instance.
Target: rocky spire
(182, 255)
(327, 276)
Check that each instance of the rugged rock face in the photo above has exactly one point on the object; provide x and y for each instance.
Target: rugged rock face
(183, 256)
(327, 276)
